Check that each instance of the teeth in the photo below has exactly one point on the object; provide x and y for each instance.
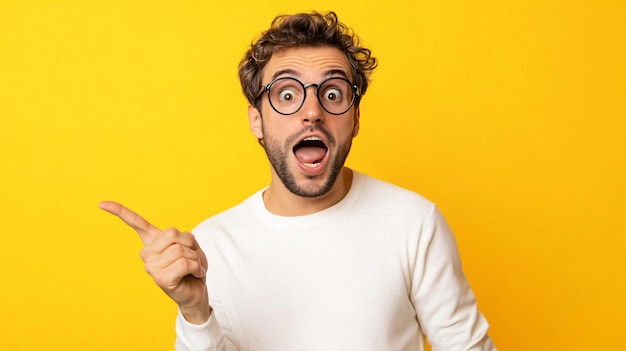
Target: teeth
(312, 138)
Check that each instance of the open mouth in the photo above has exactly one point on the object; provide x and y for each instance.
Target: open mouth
(311, 151)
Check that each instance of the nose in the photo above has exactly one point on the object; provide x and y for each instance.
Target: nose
(311, 111)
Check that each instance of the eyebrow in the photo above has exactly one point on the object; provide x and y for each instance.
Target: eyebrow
(285, 72)
(293, 73)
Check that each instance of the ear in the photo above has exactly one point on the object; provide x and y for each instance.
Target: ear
(256, 122)
(357, 122)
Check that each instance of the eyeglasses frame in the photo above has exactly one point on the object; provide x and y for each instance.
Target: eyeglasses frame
(266, 89)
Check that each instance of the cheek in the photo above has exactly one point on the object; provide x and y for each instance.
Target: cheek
(348, 128)
(277, 129)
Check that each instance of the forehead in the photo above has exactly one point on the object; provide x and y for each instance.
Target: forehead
(307, 63)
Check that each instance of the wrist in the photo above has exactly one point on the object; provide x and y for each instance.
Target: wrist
(197, 314)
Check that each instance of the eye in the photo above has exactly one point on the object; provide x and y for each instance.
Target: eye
(287, 95)
(332, 95)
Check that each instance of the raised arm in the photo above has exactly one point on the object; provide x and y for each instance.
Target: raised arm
(174, 260)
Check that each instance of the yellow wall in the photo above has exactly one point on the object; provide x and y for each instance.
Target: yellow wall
(511, 115)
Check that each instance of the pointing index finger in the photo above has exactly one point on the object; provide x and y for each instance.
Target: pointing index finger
(145, 230)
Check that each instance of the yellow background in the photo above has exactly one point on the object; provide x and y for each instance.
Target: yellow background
(511, 115)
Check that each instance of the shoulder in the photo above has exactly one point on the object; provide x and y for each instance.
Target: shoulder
(233, 216)
(383, 194)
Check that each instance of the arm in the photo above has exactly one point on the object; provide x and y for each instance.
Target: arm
(178, 266)
(444, 302)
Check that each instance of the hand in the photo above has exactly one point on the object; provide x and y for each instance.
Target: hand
(174, 260)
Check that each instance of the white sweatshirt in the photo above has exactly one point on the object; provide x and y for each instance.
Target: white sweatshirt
(376, 271)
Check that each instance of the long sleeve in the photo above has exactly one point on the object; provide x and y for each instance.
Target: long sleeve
(203, 337)
(445, 304)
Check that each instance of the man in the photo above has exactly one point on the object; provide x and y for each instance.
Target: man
(324, 258)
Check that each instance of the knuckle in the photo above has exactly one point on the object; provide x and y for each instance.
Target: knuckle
(160, 281)
(170, 233)
(183, 265)
(143, 254)
(177, 250)
(149, 268)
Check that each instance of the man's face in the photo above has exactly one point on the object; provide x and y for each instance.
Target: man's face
(307, 150)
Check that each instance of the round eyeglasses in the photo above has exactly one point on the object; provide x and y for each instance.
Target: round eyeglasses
(287, 95)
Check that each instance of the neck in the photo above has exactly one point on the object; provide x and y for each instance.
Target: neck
(280, 201)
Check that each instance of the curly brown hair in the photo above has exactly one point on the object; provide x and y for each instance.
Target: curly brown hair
(304, 29)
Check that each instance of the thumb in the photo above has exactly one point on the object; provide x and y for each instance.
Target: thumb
(146, 231)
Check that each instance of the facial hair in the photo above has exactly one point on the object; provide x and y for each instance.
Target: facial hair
(279, 154)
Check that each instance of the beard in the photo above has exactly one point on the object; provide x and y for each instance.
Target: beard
(278, 155)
